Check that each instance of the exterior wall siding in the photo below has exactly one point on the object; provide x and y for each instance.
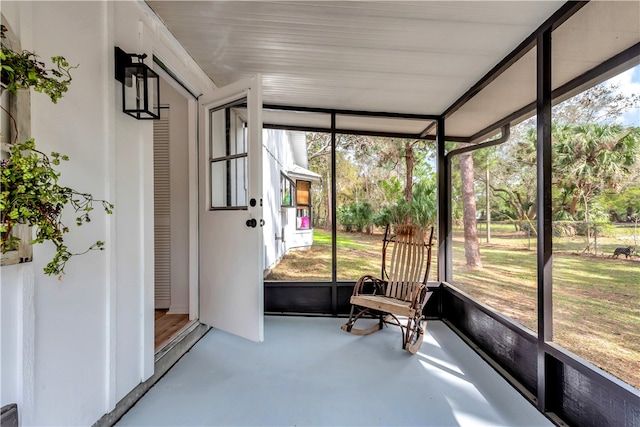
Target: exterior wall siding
(280, 232)
(72, 348)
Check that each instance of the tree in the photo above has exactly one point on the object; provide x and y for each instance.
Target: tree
(623, 206)
(404, 154)
(589, 159)
(357, 216)
(602, 103)
(424, 203)
(512, 181)
(471, 248)
(318, 157)
(384, 173)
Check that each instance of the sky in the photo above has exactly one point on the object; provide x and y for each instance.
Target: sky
(629, 83)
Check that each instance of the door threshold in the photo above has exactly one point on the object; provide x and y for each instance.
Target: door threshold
(175, 339)
(165, 358)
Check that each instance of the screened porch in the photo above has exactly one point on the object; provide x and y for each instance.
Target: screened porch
(459, 76)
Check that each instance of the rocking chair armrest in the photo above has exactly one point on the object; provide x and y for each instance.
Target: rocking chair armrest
(379, 285)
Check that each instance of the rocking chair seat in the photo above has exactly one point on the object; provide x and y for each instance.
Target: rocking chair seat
(384, 304)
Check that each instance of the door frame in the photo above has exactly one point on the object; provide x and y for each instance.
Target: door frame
(192, 153)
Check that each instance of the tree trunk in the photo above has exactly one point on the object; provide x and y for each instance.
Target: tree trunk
(573, 205)
(328, 224)
(471, 250)
(488, 202)
(586, 223)
(408, 184)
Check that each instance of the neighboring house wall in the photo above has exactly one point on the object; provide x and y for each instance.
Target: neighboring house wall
(281, 232)
(71, 349)
(276, 155)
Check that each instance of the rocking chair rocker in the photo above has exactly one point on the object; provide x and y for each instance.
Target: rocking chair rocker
(401, 291)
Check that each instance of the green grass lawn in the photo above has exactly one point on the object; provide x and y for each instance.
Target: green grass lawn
(358, 254)
(596, 299)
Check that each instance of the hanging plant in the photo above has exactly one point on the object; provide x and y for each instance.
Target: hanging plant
(23, 70)
(29, 189)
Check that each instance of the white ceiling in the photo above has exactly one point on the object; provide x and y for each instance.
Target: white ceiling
(410, 57)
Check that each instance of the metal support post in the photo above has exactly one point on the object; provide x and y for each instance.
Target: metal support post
(545, 250)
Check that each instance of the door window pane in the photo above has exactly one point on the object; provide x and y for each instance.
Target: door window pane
(228, 157)
(229, 183)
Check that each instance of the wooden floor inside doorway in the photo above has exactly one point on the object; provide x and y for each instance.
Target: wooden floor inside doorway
(167, 326)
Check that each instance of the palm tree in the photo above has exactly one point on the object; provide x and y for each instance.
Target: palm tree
(589, 158)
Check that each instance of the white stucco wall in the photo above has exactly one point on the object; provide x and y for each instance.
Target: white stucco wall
(17, 326)
(276, 155)
(280, 232)
(92, 333)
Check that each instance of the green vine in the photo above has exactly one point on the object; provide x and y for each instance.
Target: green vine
(29, 189)
(22, 70)
(31, 195)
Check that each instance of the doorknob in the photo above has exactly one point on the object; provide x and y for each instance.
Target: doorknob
(252, 223)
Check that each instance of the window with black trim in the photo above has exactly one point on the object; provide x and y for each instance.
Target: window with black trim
(303, 205)
(287, 191)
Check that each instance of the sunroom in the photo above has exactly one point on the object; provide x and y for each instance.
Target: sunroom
(473, 79)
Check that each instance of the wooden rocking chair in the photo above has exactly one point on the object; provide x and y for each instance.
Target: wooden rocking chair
(401, 291)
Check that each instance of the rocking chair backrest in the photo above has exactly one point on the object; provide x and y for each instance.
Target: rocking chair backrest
(409, 261)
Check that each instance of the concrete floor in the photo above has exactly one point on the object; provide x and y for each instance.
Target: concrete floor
(308, 372)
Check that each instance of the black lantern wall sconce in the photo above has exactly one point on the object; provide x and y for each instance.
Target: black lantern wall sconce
(140, 86)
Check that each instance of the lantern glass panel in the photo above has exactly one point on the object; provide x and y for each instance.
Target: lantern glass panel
(153, 94)
(140, 92)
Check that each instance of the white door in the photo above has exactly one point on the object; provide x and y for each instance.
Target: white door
(230, 205)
